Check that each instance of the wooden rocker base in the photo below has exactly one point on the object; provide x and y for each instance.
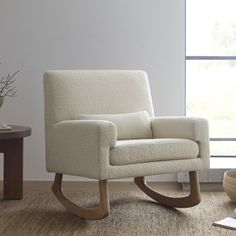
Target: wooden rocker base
(104, 207)
(85, 213)
(189, 201)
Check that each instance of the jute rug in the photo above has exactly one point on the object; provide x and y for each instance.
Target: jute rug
(132, 213)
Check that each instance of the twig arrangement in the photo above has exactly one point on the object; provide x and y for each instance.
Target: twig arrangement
(7, 87)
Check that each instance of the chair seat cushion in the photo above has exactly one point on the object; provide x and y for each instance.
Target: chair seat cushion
(148, 150)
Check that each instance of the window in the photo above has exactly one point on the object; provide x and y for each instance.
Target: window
(211, 70)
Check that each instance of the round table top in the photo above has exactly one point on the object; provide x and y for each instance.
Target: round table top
(16, 132)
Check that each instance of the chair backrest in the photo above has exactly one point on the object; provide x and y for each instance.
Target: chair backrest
(70, 93)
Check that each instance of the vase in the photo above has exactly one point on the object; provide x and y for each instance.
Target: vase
(1, 100)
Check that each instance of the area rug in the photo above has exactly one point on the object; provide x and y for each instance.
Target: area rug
(132, 213)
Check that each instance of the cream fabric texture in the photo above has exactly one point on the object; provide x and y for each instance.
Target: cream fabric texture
(196, 129)
(86, 147)
(134, 125)
(81, 145)
(72, 93)
(146, 150)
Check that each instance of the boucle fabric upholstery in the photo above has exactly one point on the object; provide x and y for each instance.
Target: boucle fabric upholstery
(83, 147)
(184, 127)
(134, 125)
(80, 146)
(147, 150)
(72, 93)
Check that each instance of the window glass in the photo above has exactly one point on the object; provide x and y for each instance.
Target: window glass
(211, 27)
(223, 148)
(211, 93)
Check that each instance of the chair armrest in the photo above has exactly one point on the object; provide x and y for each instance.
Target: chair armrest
(184, 127)
(95, 132)
(180, 127)
(80, 147)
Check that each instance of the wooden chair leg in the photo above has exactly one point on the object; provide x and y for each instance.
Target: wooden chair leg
(85, 213)
(189, 201)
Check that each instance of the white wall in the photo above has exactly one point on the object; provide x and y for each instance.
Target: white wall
(74, 34)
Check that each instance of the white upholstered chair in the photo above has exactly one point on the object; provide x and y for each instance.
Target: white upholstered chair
(101, 125)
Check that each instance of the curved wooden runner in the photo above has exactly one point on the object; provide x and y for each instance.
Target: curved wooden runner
(180, 202)
(85, 213)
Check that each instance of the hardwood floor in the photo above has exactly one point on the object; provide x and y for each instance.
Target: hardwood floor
(92, 186)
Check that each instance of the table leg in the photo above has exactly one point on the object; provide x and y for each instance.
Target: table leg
(13, 169)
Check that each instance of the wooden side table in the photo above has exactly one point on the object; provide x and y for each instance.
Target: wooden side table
(11, 144)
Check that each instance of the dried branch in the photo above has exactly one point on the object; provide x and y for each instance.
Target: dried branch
(7, 87)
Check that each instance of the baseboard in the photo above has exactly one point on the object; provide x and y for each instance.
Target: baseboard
(205, 187)
(210, 180)
(205, 176)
